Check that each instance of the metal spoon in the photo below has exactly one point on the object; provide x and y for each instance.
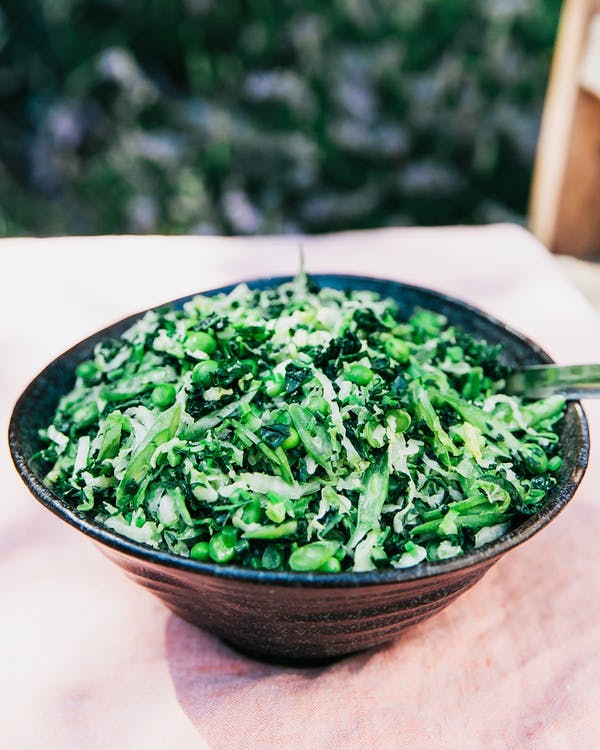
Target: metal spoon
(571, 381)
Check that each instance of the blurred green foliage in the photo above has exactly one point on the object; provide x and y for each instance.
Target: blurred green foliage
(250, 116)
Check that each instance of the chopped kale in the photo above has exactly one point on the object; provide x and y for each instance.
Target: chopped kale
(479, 352)
(295, 376)
(301, 429)
(343, 348)
(275, 434)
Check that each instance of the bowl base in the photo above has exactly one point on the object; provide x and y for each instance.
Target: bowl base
(306, 662)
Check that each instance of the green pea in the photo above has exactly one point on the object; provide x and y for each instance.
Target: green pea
(397, 349)
(271, 558)
(535, 458)
(200, 341)
(319, 405)
(554, 463)
(163, 395)
(275, 385)
(332, 565)
(87, 371)
(203, 370)
(85, 415)
(219, 551)
(359, 374)
(200, 552)
(291, 440)
(402, 419)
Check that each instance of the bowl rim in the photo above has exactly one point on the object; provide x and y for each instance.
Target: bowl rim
(486, 554)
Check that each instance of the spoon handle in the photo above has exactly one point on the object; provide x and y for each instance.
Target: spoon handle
(571, 381)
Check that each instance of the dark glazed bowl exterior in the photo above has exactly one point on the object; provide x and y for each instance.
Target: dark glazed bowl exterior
(288, 616)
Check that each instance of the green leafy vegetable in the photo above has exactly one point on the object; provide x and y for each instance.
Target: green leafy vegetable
(302, 429)
(275, 434)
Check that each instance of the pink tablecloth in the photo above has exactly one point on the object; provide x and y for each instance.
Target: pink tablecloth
(89, 660)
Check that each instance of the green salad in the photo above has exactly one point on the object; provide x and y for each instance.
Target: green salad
(300, 428)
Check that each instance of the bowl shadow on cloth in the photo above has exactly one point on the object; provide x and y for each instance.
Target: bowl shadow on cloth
(213, 680)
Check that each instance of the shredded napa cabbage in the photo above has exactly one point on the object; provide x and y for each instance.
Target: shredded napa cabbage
(301, 428)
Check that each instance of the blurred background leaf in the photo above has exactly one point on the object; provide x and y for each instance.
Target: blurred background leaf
(252, 116)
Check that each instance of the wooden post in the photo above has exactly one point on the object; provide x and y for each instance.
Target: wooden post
(565, 198)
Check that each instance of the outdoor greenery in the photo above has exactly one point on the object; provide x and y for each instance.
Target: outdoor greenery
(251, 116)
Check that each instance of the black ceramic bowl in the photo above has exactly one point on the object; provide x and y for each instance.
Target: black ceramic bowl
(290, 616)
